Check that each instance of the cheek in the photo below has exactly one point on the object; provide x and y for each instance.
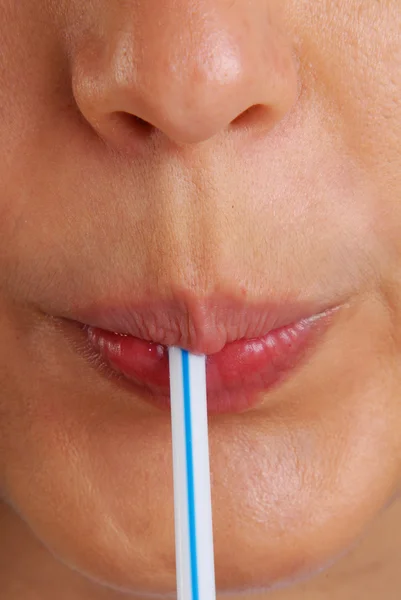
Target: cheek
(353, 68)
(360, 81)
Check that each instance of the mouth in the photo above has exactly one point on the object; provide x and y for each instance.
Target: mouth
(248, 351)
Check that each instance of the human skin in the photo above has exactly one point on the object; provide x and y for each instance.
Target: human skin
(270, 167)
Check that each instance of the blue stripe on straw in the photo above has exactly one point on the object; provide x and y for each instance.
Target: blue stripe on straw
(190, 475)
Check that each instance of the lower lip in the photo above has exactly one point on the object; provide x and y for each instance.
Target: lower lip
(236, 375)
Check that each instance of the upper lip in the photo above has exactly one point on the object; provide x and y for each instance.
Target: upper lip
(200, 326)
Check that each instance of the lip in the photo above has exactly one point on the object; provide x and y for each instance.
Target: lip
(249, 349)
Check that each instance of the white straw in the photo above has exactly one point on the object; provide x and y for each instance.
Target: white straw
(192, 498)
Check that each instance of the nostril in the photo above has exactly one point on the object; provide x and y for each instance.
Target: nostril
(133, 123)
(251, 116)
(140, 123)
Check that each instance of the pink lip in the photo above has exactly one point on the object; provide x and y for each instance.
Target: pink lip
(200, 326)
(236, 373)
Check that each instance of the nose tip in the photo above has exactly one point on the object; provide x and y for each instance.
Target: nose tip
(189, 81)
(191, 96)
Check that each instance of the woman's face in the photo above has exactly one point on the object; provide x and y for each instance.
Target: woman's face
(163, 163)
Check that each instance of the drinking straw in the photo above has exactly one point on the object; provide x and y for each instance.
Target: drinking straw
(191, 473)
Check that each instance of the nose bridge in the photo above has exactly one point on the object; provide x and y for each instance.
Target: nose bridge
(198, 64)
(194, 47)
(188, 35)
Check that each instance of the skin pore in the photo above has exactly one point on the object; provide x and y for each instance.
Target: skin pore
(180, 150)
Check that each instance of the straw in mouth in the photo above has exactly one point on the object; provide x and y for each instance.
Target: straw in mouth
(191, 474)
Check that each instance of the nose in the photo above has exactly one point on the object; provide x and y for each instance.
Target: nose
(189, 69)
